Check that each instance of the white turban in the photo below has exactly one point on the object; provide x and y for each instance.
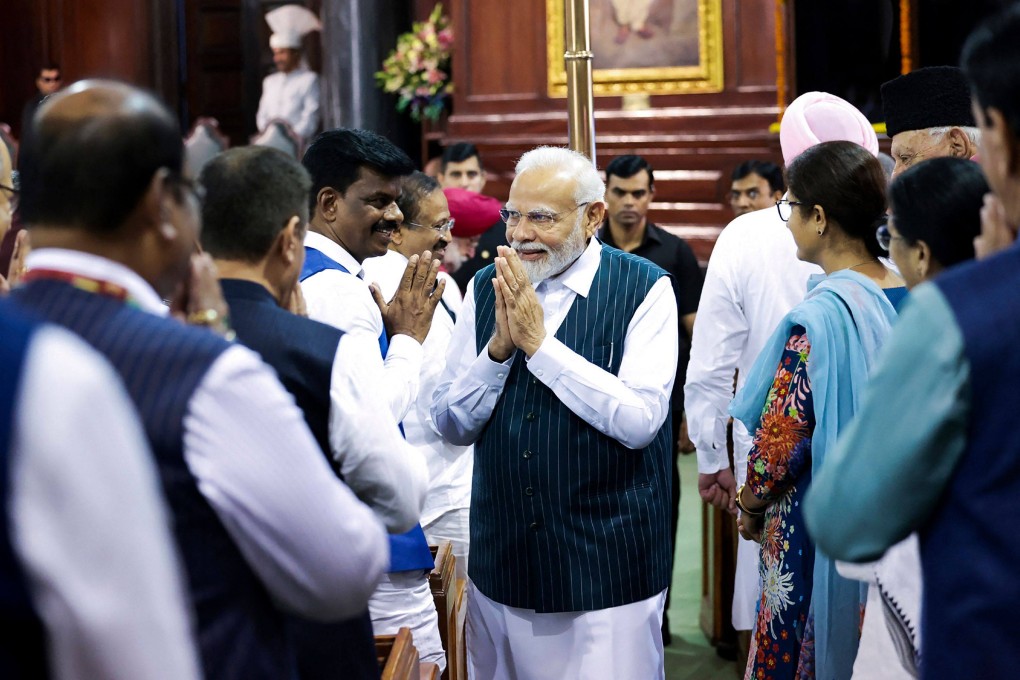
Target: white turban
(290, 24)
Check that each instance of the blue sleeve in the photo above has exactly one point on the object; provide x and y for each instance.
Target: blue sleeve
(896, 457)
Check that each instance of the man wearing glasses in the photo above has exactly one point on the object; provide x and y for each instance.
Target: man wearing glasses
(560, 372)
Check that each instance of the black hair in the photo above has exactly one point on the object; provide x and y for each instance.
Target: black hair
(91, 171)
(628, 166)
(251, 193)
(49, 66)
(415, 188)
(848, 182)
(767, 170)
(939, 202)
(991, 62)
(335, 159)
(458, 153)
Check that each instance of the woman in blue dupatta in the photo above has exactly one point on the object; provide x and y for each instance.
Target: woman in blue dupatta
(803, 389)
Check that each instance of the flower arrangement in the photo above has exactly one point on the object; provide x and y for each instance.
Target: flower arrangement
(417, 70)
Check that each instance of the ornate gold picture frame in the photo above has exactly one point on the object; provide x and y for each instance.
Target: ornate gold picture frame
(692, 62)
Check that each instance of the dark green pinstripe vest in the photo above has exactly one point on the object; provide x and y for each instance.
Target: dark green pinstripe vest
(564, 518)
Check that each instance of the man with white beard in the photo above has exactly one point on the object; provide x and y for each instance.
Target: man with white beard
(560, 373)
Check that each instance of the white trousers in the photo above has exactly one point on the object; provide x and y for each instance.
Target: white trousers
(746, 584)
(452, 526)
(632, 13)
(403, 600)
(519, 644)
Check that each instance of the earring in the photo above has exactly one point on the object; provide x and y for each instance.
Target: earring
(819, 232)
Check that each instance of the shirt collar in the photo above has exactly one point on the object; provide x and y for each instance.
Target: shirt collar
(333, 251)
(650, 236)
(96, 267)
(579, 276)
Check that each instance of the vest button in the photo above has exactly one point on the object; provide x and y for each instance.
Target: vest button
(529, 491)
(530, 417)
(533, 526)
(527, 455)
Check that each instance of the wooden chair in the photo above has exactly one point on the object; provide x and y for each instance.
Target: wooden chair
(203, 143)
(278, 134)
(8, 140)
(398, 657)
(456, 652)
(448, 593)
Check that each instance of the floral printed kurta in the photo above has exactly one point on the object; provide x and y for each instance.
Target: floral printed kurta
(779, 471)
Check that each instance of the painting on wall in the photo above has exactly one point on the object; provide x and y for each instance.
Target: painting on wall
(649, 46)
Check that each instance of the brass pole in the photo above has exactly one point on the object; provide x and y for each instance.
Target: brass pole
(578, 58)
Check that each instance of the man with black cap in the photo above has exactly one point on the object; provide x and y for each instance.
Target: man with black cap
(927, 115)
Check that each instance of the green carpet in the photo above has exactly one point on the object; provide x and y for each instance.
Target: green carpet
(690, 657)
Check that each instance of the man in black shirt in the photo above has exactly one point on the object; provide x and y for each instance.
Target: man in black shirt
(47, 82)
(630, 187)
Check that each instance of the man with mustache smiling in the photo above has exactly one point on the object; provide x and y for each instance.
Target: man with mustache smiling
(427, 225)
(560, 373)
(356, 181)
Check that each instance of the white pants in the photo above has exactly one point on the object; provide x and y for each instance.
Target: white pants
(632, 13)
(403, 600)
(520, 644)
(746, 584)
(452, 526)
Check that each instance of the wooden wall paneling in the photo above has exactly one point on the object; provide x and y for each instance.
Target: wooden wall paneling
(214, 78)
(692, 140)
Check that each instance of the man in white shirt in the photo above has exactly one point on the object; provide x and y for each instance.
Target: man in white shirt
(427, 226)
(754, 278)
(560, 372)
(356, 181)
(85, 543)
(261, 521)
(292, 93)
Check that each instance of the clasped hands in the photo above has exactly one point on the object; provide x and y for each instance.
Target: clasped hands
(410, 310)
(520, 320)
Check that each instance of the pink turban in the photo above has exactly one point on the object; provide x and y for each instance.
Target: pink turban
(816, 117)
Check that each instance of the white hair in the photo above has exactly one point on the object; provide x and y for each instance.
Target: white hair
(939, 133)
(590, 187)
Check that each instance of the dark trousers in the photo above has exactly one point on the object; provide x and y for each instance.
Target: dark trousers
(674, 513)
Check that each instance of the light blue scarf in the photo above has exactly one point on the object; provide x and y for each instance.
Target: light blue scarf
(847, 317)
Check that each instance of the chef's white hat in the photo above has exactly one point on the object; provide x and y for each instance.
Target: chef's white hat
(290, 24)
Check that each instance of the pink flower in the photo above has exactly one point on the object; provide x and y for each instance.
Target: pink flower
(435, 76)
(446, 37)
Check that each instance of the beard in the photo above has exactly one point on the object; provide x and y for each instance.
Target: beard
(557, 259)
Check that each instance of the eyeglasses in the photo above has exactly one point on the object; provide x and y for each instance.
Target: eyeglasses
(885, 237)
(536, 217)
(439, 228)
(785, 208)
(12, 196)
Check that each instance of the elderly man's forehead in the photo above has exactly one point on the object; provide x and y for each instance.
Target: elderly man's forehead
(548, 184)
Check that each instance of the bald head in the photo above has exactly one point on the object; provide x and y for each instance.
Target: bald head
(93, 152)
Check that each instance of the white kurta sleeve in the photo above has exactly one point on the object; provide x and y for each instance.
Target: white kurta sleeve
(720, 336)
(631, 406)
(90, 525)
(319, 551)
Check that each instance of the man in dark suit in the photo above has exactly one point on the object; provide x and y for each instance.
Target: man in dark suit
(255, 216)
(47, 82)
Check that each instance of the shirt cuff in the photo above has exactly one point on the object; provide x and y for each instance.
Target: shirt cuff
(709, 462)
(549, 360)
(407, 347)
(491, 372)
